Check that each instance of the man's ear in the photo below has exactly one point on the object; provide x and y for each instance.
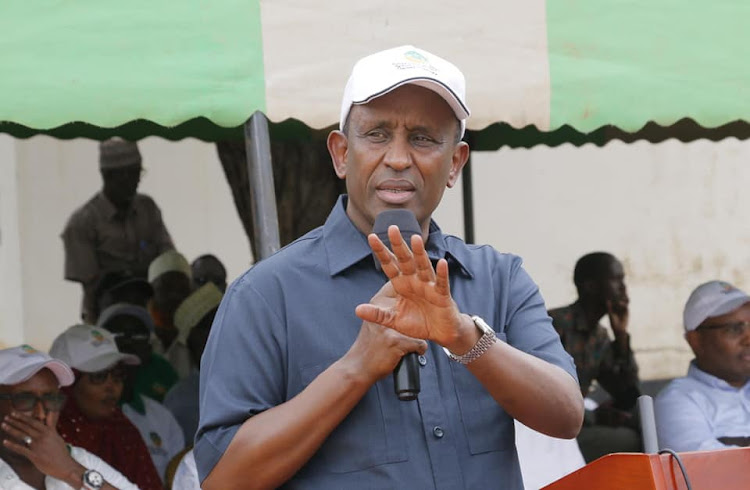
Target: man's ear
(338, 147)
(459, 159)
(694, 341)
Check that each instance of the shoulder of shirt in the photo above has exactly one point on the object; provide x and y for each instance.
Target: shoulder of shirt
(685, 387)
(284, 259)
(84, 212)
(469, 252)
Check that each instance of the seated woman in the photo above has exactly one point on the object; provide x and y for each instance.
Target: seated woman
(91, 417)
(32, 454)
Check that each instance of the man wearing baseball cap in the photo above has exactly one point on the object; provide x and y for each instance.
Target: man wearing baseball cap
(117, 229)
(296, 380)
(32, 453)
(710, 407)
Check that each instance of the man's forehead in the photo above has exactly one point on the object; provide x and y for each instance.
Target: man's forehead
(410, 105)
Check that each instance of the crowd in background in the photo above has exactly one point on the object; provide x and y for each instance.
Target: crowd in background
(121, 388)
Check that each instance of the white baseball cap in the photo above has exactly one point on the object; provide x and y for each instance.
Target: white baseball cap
(713, 298)
(192, 310)
(384, 71)
(169, 261)
(89, 349)
(19, 364)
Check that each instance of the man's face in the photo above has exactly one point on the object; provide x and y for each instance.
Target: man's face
(400, 152)
(43, 383)
(722, 346)
(612, 284)
(121, 184)
(131, 335)
(170, 289)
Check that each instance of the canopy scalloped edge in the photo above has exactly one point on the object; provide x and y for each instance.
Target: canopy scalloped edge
(491, 138)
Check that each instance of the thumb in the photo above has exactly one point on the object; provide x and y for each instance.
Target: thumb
(374, 314)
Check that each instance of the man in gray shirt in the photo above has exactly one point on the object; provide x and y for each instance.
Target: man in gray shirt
(117, 229)
(296, 385)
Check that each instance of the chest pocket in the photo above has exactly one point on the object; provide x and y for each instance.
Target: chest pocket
(369, 436)
(488, 427)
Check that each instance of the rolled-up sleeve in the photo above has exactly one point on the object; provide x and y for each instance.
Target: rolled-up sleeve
(243, 370)
(80, 253)
(528, 326)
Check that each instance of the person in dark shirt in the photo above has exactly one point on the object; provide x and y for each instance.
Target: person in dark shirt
(600, 280)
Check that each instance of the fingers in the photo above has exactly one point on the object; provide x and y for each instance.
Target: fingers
(425, 272)
(386, 258)
(25, 424)
(442, 284)
(17, 448)
(402, 260)
(401, 251)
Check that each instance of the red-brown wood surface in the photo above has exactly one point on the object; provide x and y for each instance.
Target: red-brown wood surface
(726, 470)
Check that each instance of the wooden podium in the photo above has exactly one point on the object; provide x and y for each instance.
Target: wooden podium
(727, 469)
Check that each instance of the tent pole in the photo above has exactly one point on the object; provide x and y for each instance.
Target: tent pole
(468, 198)
(262, 191)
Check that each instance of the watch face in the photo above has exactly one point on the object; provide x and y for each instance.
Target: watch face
(93, 479)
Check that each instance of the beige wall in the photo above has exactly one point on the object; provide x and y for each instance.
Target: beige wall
(673, 212)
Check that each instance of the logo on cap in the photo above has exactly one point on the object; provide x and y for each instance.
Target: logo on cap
(155, 439)
(415, 57)
(97, 338)
(726, 287)
(28, 349)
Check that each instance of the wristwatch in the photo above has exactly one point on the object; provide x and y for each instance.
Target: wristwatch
(483, 344)
(92, 480)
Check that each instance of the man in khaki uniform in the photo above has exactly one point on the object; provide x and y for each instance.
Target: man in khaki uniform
(117, 229)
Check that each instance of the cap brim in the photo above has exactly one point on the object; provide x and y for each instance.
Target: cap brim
(721, 309)
(107, 361)
(62, 372)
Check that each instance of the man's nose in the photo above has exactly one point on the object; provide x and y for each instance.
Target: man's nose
(39, 412)
(398, 154)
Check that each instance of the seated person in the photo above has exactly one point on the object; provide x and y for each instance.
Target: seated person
(32, 453)
(170, 276)
(91, 418)
(133, 327)
(208, 268)
(160, 431)
(120, 286)
(710, 407)
(600, 280)
(193, 319)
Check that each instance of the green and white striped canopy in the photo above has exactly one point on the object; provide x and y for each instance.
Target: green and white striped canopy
(200, 68)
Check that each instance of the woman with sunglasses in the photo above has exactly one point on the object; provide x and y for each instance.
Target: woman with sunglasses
(32, 453)
(92, 418)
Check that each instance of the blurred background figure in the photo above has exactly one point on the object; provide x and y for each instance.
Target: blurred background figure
(170, 277)
(117, 229)
(91, 418)
(133, 327)
(160, 431)
(32, 453)
(710, 407)
(600, 280)
(120, 287)
(208, 268)
(193, 318)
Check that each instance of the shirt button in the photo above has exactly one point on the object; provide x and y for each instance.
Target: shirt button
(438, 432)
(422, 360)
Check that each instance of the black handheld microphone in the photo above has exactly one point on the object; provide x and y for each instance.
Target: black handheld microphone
(406, 374)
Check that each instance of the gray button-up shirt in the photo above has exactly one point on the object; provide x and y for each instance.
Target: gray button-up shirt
(292, 315)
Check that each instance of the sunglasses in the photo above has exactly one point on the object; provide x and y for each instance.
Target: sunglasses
(100, 377)
(733, 330)
(25, 402)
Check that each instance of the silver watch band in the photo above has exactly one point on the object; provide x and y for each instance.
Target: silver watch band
(483, 344)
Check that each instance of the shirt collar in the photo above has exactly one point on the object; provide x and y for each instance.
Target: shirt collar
(345, 245)
(109, 209)
(709, 379)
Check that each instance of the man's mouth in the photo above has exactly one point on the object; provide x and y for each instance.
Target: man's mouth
(395, 192)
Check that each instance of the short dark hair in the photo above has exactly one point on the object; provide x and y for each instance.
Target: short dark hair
(591, 266)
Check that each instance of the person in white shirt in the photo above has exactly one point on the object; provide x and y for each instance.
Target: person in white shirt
(32, 454)
(710, 407)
